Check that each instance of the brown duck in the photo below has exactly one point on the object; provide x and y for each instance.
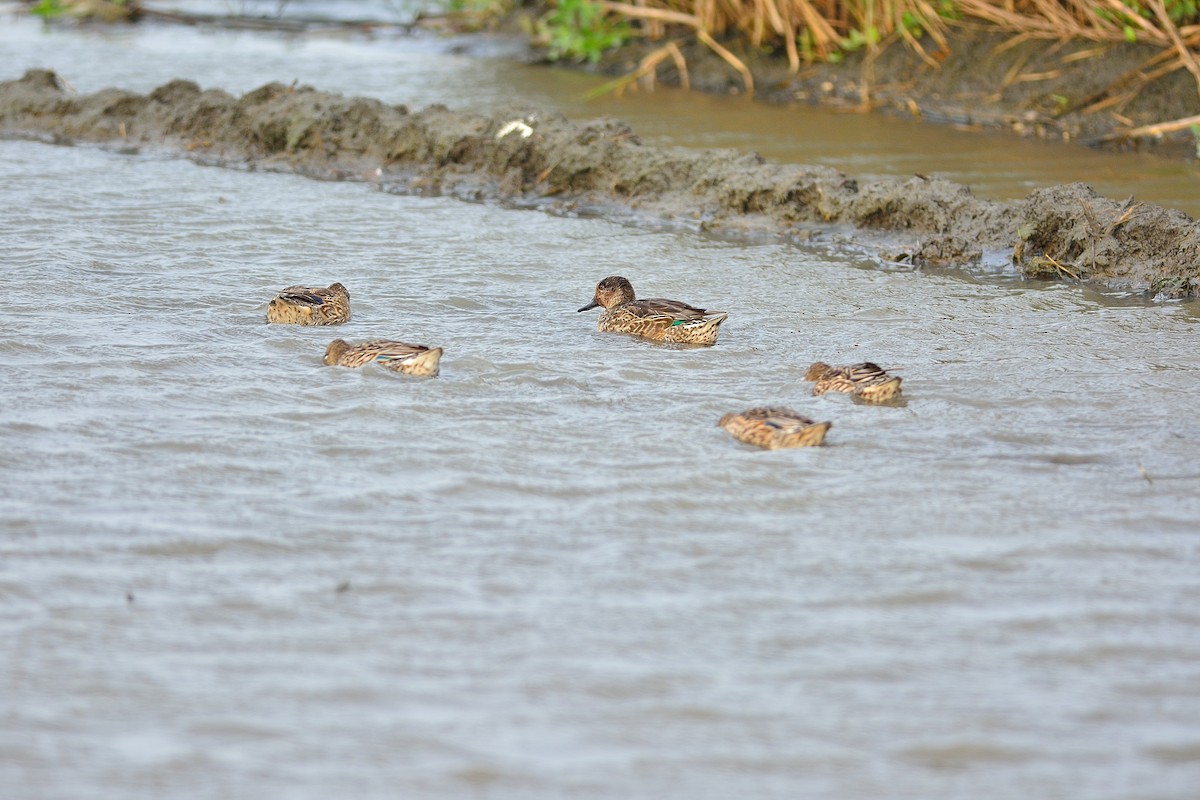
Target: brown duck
(773, 428)
(657, 319)
(411, 359)
(307, 305)
(866, 381)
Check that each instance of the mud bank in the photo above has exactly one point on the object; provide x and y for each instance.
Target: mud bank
(538, 160)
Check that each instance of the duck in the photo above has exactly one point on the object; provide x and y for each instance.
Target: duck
(866, 381)
(308, 305)
(773, 428)
(411, 359)
(657, 319)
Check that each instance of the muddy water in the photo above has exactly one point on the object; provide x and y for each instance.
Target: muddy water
(995, 165)
(228, 571)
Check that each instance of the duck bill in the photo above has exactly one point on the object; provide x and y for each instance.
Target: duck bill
(592, 304)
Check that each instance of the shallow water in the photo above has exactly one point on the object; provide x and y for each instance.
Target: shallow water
(227, 570)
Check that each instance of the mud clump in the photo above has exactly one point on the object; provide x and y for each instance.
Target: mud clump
(538, 160)
(1072, 230)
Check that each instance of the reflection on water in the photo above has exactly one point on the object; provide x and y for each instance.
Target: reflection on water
(230, 571)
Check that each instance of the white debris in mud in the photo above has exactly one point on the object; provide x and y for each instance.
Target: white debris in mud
(516, 125)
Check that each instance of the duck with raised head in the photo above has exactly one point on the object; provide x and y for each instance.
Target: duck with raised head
(773, 428)
(656, 319)
(411, 359)
(866, 381)
(309, 305)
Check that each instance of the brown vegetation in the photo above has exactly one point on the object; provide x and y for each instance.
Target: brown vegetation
(815, 30)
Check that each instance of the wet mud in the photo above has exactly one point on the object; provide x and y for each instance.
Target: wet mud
(539, 160)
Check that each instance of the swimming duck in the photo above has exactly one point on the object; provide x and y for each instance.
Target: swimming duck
(660, 320)
(411, 359)
(773, 428)
(866, 381)
(306, 305)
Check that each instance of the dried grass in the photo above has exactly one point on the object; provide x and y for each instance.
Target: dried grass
(810, 30)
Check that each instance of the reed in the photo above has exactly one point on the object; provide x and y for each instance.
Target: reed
(815, 30)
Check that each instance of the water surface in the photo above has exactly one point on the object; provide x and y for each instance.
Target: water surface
(229, 571)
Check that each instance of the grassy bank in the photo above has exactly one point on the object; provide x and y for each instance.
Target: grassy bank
(812, 31)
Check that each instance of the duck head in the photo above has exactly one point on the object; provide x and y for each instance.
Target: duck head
(335, 350)
(817, 371)
(612, 291)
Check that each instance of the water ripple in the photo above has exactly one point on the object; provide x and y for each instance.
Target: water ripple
(548, 572)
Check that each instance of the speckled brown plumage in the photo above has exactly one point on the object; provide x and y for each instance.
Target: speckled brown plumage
(657, 319)
(866, 381)
(309, 305)
(411, 359)
(773, 428)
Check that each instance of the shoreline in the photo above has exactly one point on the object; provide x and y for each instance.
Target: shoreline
(1114, 96)
(540, 160)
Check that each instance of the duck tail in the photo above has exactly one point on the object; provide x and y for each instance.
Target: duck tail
(426, 364)
(711, 321)
(809, 436)
(706, 330)
(881, 392)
